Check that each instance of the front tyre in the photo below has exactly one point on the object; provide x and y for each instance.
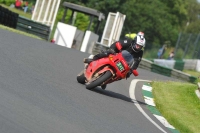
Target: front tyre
(81, 77)
(105, 76)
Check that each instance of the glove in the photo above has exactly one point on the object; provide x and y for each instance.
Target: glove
(110, 51)
(128, 74)
(134, 72)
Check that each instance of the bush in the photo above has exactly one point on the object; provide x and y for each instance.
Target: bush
(7, 2)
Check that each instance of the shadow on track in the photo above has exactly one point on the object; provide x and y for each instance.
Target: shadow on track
(116, 95)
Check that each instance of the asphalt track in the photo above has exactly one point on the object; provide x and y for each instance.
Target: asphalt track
(39, 93)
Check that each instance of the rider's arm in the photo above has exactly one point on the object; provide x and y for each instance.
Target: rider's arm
(125, 44)
(137, 59)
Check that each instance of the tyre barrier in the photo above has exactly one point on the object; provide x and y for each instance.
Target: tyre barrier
(149, 65)
(34, 28)
(8, 18)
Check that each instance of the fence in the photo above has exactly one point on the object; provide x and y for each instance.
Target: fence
(188, 46)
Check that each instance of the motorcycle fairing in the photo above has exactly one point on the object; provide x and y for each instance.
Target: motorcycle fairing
(107, 64)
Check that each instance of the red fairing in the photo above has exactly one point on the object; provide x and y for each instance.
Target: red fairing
(117, 65)
(105, 71)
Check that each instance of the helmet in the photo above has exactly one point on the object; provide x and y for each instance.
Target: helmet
(140, 33)
(138, 43)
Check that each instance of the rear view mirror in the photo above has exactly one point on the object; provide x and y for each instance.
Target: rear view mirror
(119, 46)
(135, 72)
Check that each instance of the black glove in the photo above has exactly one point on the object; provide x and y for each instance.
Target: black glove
(136, 63)
(103, 50)
(128, 74)
(110, 51)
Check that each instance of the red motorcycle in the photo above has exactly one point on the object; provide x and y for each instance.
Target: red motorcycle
(105, 70)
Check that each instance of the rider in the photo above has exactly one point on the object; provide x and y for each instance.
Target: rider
(133, 46)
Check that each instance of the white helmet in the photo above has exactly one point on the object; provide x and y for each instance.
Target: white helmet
(138, 43)
(140, 33)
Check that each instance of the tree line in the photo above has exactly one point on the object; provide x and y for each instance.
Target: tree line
(161, 20)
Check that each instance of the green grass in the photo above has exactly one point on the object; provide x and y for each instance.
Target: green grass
(179, 104)
(19, 32)
(192, 72)
(20, 12)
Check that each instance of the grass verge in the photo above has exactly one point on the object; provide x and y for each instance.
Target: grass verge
(19, 32)
(20, 12)
(193, 73)
(178, 103)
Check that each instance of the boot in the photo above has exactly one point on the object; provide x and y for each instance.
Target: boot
(103, 87)
(87, 60)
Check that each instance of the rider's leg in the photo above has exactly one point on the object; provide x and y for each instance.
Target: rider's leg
(96, 57)
(100, 55)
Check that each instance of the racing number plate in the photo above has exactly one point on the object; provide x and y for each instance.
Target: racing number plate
(120, 66)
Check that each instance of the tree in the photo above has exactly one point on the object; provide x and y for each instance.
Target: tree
(156, 18)
(191, 25)
(104, 6)
(148, 16)
(161, 20)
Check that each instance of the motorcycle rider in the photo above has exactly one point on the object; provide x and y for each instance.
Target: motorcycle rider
(133, 46)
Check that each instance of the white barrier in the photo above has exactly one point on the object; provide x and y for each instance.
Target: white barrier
(189, 64)
(64, 34)
(145, 64)
(89, 39)
(165, 63)
(198, 66)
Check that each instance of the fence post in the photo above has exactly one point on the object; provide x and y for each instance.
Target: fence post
(186, 48)
(177, 43)
(195, 46)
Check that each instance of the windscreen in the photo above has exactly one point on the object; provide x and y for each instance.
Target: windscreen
(128, 57)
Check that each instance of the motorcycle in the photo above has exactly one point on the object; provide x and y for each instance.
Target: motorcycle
(106, 70)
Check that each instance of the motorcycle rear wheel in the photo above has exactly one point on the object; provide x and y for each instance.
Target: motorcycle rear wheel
(99, 81)
(81, 78)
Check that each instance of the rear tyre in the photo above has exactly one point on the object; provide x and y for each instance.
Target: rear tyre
(81, 78)
(105, 76)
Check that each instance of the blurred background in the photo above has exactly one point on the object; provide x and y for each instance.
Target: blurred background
(173, 24)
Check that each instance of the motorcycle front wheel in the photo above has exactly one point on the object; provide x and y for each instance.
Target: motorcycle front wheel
(105, 76)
